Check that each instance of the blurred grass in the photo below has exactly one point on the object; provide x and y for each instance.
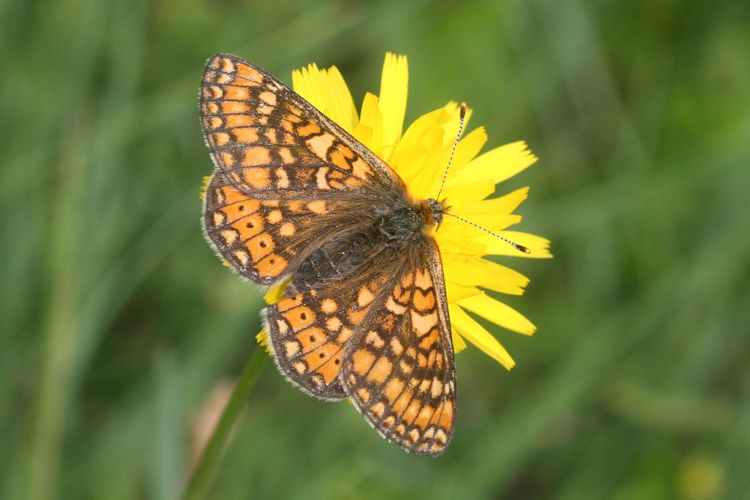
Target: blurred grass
(117, 321)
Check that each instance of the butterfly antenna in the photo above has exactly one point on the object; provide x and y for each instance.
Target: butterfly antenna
(506, 240)
(461, 117)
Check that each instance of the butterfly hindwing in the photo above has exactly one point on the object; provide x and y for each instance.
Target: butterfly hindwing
(322, 308)
(266, 239)
(249, 233)
(309, 333)
(399, 370)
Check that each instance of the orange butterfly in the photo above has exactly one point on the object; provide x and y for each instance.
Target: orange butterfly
(364, 315)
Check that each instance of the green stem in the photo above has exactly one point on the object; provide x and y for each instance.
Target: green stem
(209, 461)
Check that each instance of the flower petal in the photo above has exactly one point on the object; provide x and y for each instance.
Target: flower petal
(497, 164)
(477, 335)
(457, 238)
(327, 91)
(502, 205)
(416, 155)
(456, 291)
(495, 223)
(538, 246)
(370, 129)
(394, 87)
(458, 341)
(461, 195)
(262, 339)
(275, 293)
(484, 273)
(467, 148)
(498, 313)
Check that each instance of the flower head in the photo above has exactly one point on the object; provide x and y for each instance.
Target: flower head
(420, 155)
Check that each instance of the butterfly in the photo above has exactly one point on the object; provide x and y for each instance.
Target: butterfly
(294, 198)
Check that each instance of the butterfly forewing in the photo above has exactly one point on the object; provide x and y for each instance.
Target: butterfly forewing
(271, 143)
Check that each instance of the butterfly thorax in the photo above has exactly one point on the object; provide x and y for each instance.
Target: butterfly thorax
(396, 226)
(405, 222)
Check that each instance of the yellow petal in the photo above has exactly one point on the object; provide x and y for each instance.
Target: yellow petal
(262, 339)
(204, 186)
(495, 223)
(422, 126)
(459, 196)
(343, 111)
(416, 155)
(394, 85)
(499, 313)
(477, 335)
(467, 148)
(538, 246)
(303, 83)
(465, 151)
(451, 243)
(497, 164)
(451, 126)
(370, 129)
(327, 91)
(275, 293)
(484, 273)
(458, 341)
(456, 291)
(502, 205)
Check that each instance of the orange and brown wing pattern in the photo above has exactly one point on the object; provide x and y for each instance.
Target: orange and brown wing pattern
(399, 371)
(272, 144)
(259, 238)
(245, 231)
(309, 333)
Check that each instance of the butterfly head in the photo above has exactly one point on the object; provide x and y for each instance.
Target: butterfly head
(432, 212)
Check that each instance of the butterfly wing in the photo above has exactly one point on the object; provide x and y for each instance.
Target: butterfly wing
(277, 156)
(309, 331)
(272, 143)
(264, 239)
(399, 370)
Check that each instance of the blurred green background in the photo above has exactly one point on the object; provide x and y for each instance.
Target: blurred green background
(120, 328)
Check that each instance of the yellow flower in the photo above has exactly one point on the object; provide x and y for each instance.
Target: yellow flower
(420, 155)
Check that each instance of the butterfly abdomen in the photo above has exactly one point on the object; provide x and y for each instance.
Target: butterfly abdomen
(334, 261)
